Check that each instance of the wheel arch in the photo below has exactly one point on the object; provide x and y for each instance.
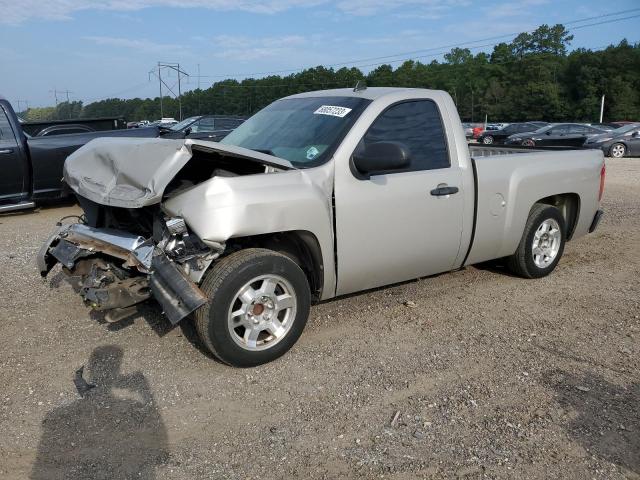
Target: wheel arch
(301, 246)
(569, 206)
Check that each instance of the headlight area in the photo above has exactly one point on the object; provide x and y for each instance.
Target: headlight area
(114, 270)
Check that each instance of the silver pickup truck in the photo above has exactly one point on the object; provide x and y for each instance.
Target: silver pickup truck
(318, 195)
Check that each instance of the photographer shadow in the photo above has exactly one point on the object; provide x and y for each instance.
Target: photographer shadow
(114, 430)
(607, 421)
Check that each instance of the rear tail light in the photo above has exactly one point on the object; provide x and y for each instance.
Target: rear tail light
(603, 173)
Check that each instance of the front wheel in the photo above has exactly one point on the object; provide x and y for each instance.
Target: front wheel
(618, 150)
(488, 140)
(258, 306)
(542, 243)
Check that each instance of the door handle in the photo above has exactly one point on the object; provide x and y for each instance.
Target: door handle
(441, 191)
(6, 150)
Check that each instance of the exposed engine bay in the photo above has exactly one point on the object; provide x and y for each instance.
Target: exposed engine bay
(117, 256)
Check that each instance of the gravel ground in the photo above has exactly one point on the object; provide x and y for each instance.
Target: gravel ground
(473, 374)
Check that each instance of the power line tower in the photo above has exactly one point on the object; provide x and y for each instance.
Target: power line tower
(26, 105)
(162, 72)
(55, 92)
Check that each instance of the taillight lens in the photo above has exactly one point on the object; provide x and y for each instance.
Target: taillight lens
(603, 173)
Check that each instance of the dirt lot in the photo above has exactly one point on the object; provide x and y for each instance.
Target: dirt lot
(483, 376)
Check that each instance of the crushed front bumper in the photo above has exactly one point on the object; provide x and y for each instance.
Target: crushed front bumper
(117, 270)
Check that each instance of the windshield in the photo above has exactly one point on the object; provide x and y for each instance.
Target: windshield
(304, 131)
(183, 124)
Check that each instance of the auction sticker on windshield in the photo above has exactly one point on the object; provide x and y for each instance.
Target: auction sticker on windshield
(332, 110)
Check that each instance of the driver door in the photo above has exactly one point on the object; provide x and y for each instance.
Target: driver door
(13, 181)
(392, 227)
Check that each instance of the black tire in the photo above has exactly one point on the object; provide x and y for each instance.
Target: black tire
(221, 285)
(522, 262)
(620, 150)
(528, 143)
(487, 140)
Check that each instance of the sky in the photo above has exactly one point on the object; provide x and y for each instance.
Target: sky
(99, 49)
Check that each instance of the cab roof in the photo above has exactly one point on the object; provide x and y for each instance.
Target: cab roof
(369, 93)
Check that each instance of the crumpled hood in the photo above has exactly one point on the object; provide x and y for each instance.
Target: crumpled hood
(133, 172)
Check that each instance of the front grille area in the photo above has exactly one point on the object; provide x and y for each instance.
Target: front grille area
(133, 220)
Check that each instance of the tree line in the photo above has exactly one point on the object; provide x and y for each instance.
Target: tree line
(533, 77)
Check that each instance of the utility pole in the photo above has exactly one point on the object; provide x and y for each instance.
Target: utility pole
(162, 66)
(472, 105)
(601, 108)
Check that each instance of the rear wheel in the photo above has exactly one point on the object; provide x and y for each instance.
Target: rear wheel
(488, 140)
(258, 306)
(528, 143)
(618, 150)
(542, 243)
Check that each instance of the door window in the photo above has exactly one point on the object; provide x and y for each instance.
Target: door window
(417, 125)
(561, 130)
(203, 125)
(7, 138)
(578, 129)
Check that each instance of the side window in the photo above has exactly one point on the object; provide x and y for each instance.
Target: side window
(561, 130)
(203, 125)
(7, 138)
(417, 125)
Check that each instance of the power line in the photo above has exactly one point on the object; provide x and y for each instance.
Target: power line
(462, 44)
(355, 63)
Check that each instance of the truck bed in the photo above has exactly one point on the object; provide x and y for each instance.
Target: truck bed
(509, 183)
(480, 150)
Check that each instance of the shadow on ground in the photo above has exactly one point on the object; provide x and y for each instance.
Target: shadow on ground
(114, 431)
(607, 421)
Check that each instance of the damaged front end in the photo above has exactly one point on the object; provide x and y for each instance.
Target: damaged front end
(114, 270)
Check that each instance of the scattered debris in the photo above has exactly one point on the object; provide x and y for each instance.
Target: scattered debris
(394, 422)
(410, 304)
(583, 389)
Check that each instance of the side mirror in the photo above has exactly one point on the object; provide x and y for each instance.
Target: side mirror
(187, 132)
(381, 157)
(548, 132)
(636, 134)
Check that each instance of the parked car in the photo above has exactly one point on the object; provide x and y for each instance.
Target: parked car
(47, 128)
(32, 166)
(622, 142)
(468, 130)
(317, 195)
(499, 136)
(477, 131)
(496, 126)
(555, 135)
(210, 127)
